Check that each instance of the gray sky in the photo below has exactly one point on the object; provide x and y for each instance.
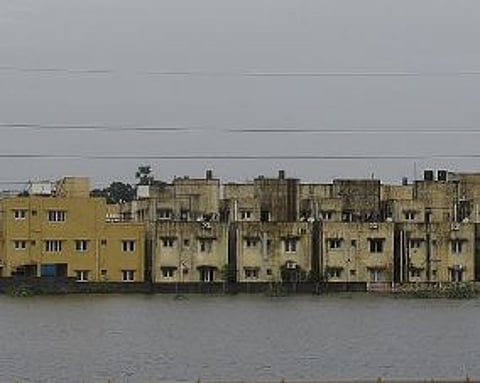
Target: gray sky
(422, 50)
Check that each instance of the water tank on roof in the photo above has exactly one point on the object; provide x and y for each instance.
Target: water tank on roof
(428, 175)
(143, 191)
(41, 188)
(442, 175)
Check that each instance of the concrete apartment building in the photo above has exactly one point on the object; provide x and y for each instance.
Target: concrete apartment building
(271, 251)
(278, 229)
(60, 231)
(186, 242)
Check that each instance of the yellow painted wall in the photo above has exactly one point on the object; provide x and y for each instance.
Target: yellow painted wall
(85, 219)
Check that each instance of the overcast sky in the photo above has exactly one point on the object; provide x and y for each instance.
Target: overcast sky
(212, 66)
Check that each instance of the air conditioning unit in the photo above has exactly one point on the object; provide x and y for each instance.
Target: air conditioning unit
(206, 225)
(455, 226)
(291, 265)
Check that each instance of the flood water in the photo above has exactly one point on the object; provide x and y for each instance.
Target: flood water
(138, 338)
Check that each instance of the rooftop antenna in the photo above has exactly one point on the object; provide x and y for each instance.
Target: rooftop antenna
(414, 170)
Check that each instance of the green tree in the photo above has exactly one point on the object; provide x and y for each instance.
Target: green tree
(116, 192)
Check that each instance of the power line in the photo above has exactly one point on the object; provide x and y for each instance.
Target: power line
(309, 74)
(240, 157)
(251, 130)
(59, 71)
(373, 130)
(91, 127)
(15, 182)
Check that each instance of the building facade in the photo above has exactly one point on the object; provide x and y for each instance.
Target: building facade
(196, 230)
(65, 233)
(278, 229)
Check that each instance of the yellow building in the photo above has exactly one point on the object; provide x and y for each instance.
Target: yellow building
(63, 232)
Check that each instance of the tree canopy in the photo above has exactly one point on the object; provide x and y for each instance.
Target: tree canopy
(119, 192)
(116, 192)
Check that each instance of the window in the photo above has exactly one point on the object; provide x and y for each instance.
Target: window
(416, 273)
(291, 245)
(103, 242)
(457, 246)
(128, 246)
(81, 245)
(53, 246)
(415, 243)
(376, 245)
(347, 216)
(269, 271)
(326, 215)
(128, 275)
(207, 275)
(168, 272)
(376, 275)
(265, 216)
(168, 242)
(251, 273)
(141, 215)
(251, 242)
(184, 215)
(186, 242)
(56, 215)
(334, 272)
(82, 275)
(409, 215)
(205, 245)
(353, 272)
(20, 245)
(19, 214)
(456, 274)
(245, 214)
(164, 214)
(335, 243)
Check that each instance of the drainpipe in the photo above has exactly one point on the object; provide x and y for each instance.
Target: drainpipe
(428, 241)
(153, 266)
(235, 211)
(153, 251)
(97, 260)
(402, 251)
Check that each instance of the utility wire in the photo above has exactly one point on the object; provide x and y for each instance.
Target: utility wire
(240, 157)
(58, 71)
(91, 127)
(254, 130)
